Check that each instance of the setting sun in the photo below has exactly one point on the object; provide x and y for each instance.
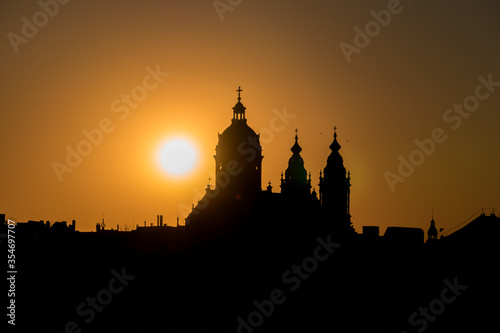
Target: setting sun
(177, 157)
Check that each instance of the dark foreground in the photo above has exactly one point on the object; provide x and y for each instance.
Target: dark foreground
(256, 281)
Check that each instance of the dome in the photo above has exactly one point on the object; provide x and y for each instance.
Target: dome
(236, 133)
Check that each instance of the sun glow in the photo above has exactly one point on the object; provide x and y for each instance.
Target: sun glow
(177, 156)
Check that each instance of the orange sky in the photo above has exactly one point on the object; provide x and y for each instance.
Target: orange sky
(69, 74)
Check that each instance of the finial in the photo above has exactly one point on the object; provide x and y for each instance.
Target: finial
(296, 149)
(335, 146)
(239, 91)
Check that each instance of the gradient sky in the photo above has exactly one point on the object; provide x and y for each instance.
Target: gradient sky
(286, 55)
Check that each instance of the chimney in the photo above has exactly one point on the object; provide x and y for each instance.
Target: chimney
(97, 227)
(177, 221)
(117, 227)
(161, 220)
(157, 220)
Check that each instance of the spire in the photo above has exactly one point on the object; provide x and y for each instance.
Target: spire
(335, 146)
(432, 231)
(295, 181)
(239, 109)
(296, 149)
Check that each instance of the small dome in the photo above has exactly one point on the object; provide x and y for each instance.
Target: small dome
(239, 107)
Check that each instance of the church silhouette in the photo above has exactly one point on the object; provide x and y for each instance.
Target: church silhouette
(238, 201)
(252, 260)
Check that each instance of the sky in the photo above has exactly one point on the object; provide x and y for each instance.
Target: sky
(413, 88)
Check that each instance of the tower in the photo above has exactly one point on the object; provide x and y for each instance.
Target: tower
(334, 187)
(238, 157)
(295, 183)
(432, 233)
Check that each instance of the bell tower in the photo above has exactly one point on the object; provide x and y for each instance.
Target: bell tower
(334, 187)
(296, 183)
(432, 233)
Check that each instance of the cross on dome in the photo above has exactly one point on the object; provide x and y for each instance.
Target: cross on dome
(239, 90)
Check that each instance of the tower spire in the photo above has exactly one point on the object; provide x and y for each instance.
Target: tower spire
(295, 181)
(335, 146)
(296, 149)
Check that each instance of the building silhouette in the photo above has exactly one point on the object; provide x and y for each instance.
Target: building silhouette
(238, 196)
(243, 245)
